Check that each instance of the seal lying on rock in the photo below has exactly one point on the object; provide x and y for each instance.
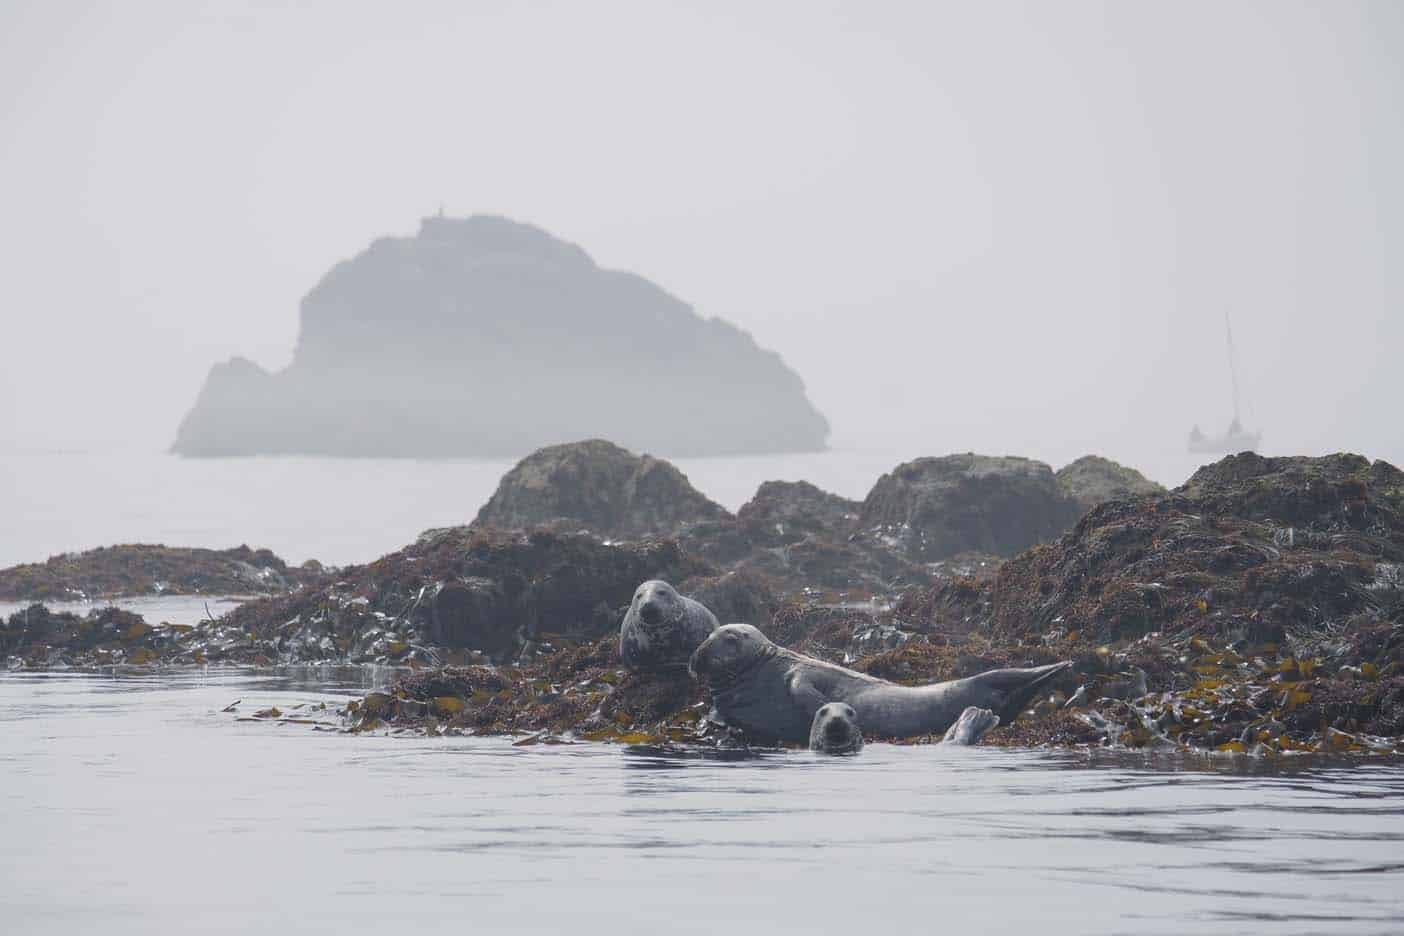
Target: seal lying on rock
(662, 628)
(773, 693)
(835, 730)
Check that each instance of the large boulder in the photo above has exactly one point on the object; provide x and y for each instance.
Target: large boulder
(935, 508)
(734, 596)
(1333, 493)
(789, 511)
(598, 486)
(782, 513)
(482, 336)
(465, 589)
(474, 613)
(1092, 480)
(800, 538)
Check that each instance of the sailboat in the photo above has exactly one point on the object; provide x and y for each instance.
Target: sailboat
(1236, 438)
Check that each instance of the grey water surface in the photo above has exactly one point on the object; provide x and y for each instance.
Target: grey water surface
(134, 804)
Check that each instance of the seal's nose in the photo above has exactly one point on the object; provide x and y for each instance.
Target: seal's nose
(650, 612)
(836, 731)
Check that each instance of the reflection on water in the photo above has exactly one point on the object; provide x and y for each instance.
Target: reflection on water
(156, 609)
(137, 805)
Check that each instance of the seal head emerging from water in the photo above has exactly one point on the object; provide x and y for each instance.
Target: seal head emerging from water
(662, 628)
(835, 730)
(773, 693)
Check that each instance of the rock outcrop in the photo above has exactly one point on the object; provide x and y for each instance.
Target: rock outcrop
(1250, 547)
(935, 508)
(457, 594)
(482, 336)
(789, 511)
(1093, 480)
(141, 569)
(801, 538)
(1264, 593)
(597, 486)
(464, 590)
(789, 537)
(1257, 609)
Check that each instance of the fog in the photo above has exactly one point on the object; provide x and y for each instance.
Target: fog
(1008, 228)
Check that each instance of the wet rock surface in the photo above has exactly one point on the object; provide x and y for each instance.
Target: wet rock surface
(1258, 610)
(791, 511)
(935, 508)
(1093, 480)
(802, 539)
(597, 486)
(1261, 600)
(146, 569)
(454, 595)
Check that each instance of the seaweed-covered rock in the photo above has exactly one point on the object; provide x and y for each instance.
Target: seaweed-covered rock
(1253, 546)
(734, 596)
(1092, 480)
(140, 569)
(38, 638)
(790, 511)
(474, 613)
(801, 539)
(854, 568)
(934, 508)
(598, 486)
(459, 594)
(470, 589)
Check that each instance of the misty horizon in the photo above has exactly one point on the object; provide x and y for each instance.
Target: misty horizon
(629, 467)
(1006, 229)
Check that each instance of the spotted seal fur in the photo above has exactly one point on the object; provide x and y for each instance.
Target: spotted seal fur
(835, 730)
(662, 628)
(773, 693)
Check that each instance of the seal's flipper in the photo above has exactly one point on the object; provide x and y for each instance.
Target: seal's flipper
(1017, 687)
(971, 726)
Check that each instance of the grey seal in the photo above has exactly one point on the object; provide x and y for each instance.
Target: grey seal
(835, 730)
(662, 628)
(971, 726)
(773, 693)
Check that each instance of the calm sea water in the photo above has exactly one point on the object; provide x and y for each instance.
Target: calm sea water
(334, 510)
(156, 609)
(133, 804)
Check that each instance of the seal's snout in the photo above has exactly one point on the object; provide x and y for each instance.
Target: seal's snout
(835, 730)
(651, 613)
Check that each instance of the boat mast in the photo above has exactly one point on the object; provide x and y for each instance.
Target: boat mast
(1233, 373)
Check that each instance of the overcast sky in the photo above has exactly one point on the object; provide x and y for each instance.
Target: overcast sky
(991, 226)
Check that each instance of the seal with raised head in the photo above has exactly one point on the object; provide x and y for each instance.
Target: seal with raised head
(662, 628)
(773, 693)
(835, 730)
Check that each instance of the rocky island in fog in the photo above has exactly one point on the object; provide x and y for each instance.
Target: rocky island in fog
(483, 336)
